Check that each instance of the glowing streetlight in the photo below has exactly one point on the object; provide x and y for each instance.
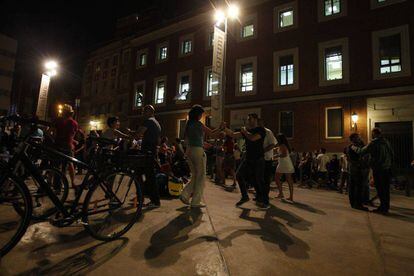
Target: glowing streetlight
(50, 70)
(233, 11)
(220, 17)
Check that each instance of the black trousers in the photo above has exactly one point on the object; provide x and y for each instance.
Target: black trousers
(382, 179)
(151, 185)
(358, 179)
(252, 171)
(269, 174)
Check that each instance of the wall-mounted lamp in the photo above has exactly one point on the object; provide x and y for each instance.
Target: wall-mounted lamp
(354, 119)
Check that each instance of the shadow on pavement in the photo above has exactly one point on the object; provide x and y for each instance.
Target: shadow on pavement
(275, 232)
(304, 206)
(81, 262)
(174, 238)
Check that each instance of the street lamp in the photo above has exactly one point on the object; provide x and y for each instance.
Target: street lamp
(354, 119)
(50, 70)
(219, 61)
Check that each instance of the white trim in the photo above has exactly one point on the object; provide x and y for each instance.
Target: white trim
(205, 96)
(276, 72)
(326, 122)
(183, 38)
(154, 98)
(159, 46)
(136, 84)
(179, 75)
(239, 63)
(138, 58)
(282, 8)
(293, 123)
(321, 11)
(342, 42)
(376, 5)
(209, 31)
(405, 52)
(245, 21)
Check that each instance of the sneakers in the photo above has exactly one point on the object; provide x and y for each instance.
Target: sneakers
(241, 201)
(184, 200)
(152, 205)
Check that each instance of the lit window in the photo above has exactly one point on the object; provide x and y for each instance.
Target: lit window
(143, 59)
(209, 88)
(246, 77)
(210, 39)
(163, 53)
(381, 1)
(286, 18)
(184, 88)
(332, 7)
(333, 63)
(139, 96)
(186, 47)
(160, 92)
(390, 54)
(286, 71)
(248, 30)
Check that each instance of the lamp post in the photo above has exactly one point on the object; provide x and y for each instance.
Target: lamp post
(50, 71)
(219, 62)
(354, 119)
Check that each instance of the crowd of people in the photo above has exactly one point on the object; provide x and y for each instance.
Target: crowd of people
(252, 157)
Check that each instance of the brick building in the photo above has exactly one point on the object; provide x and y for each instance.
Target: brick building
(304, 66)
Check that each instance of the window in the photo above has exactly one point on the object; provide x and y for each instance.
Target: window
(391, 53)
(181, 128)
(334, 62)
(186, 43)
(142, 58)
(334, 122)
(183, 86)
(106, 63)
(286, 64)
(248, 28)
(160, 85)
(113, 73)
(286, 70)
(162, 52)
(382, 3)
(246, 76)
(139, 92)
(98, 67)
(286, 123)
(209, 82)
(331, 9)
(285, 17)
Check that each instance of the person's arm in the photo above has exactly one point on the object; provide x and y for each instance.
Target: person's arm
(362, 150)
(250, 136)
(233, 134)
(210, 132)
(120, 134)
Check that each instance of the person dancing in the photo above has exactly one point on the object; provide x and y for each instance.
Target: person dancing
(285, 165)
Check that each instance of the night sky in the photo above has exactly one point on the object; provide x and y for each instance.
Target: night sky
(68, 30)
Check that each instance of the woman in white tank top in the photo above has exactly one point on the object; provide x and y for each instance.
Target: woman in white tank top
(285, 165)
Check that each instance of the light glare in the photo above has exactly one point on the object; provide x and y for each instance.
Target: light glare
(233, 11)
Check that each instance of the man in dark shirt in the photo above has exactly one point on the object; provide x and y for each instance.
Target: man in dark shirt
(151, 131)
(254, 165)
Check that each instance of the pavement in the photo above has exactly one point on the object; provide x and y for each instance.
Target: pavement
(318, 234)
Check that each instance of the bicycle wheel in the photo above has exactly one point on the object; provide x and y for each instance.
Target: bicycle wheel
(14, 196)
(43, 207)
(113, 206)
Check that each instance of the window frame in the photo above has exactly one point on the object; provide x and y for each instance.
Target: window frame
(276, 66)
(293, 123)
(136, 84)
(375, 4)
(405, 52)
(188, 73)
(156, 80)
(182, 40)
(283, 8)
(159, 46)
(326, 123)
(245, 21)
(321, 11)
(239, 63)
(138, 59)
(342, 42)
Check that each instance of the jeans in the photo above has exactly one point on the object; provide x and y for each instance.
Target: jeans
(382, 179)
(197, 162)
(252, 171)
(358, 179)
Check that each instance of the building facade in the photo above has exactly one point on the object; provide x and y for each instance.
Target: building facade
(315, 70)
(8, 49)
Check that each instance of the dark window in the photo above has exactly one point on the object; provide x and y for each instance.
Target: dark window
(334, 123)
(286, 123)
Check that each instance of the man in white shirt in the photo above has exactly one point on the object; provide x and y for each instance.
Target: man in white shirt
(323, 160)
(269, 144)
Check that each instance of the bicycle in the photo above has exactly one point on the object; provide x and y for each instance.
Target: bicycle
(113, 202)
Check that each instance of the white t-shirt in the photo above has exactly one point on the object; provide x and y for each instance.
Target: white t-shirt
(323, 160)
(268, 140)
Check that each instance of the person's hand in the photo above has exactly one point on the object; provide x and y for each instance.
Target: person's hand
(354, 148)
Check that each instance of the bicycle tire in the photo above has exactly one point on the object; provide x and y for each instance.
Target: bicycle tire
(97, 194)
(25, 214)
